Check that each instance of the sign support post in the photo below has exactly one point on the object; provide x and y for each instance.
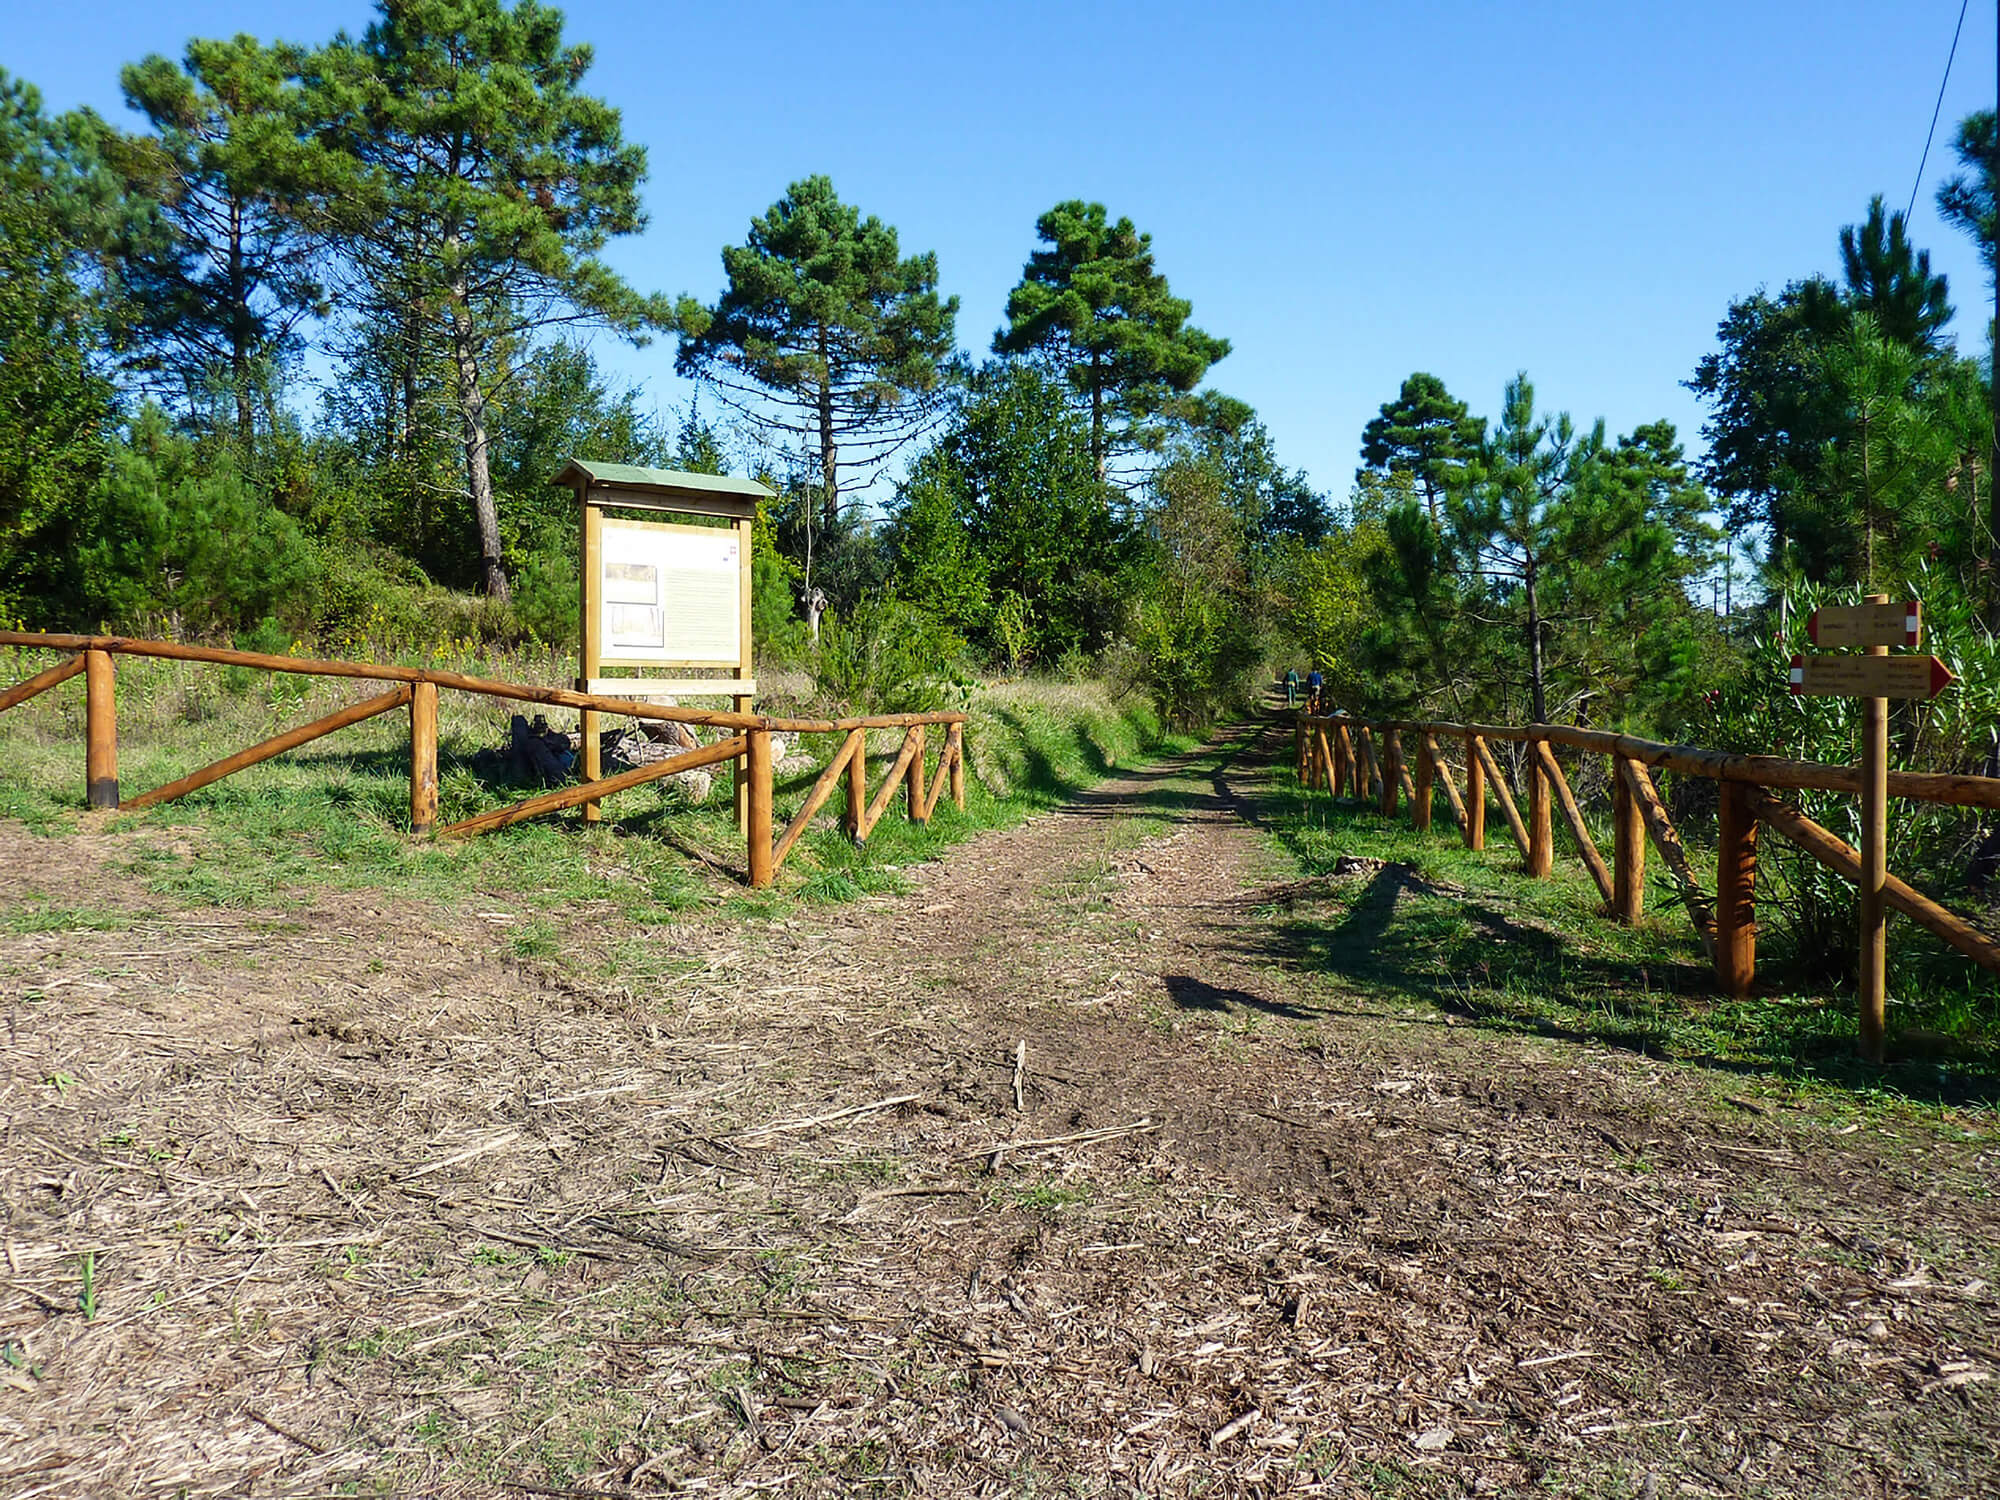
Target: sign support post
(1874, 677)
(590, 766)
(740, 769)
(1874, 864)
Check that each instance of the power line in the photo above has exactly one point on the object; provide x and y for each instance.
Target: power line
(1936, 110)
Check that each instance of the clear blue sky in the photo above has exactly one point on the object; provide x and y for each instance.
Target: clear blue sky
(1346, 192)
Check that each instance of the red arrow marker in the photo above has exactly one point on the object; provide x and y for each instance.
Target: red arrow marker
(1941, 677)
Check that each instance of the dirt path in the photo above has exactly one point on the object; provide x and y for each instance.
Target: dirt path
(365, 1202)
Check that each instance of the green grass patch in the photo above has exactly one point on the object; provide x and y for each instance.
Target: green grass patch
(1470, 936)
(333, 816)
(33, 916)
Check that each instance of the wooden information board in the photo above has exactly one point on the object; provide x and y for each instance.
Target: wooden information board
(663, 596)
(670, 595)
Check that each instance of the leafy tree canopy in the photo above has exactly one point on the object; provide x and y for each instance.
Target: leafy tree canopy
(58, 207)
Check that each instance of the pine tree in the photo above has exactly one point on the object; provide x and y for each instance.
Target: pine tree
(825, 335)
(1093, 302)
(1891, 280)
(1966, 200)
(241, 188)
(1510, 521)
(1425, 432)
(485, 184)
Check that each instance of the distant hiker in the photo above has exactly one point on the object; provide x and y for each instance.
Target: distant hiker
(1291, 687)
(1314, 683)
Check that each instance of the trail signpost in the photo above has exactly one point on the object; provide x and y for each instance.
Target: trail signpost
(1875, 678)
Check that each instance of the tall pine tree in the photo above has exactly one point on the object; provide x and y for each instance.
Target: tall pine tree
(1425, 433)
(1093, 301)
(242, 189)
(485, 185)
(827, 336)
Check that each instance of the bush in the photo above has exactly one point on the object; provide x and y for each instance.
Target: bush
(889, 657)
(161, 537)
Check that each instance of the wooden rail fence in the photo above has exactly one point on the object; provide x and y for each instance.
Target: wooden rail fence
(747, 743)
(1365, 759)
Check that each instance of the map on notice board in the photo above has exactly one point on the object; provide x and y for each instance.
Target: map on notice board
(670, 594)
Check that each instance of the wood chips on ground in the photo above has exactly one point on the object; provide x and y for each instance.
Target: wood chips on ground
(370, 1205)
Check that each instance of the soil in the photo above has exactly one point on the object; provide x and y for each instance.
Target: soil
(1061, 1170)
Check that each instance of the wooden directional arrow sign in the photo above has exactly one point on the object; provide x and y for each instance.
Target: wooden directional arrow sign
(1867, 625)
(1870, 676)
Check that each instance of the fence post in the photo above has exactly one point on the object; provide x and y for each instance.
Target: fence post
(956, 741)
(914, 784)
(758, 766)
(100, 755)
(423, 756)
(1420, 809)
(1475, 795)
(1392, 767)
(857, 790)
(1541, 838)
(1628, 855)
(1736, 892)
(1346, 772)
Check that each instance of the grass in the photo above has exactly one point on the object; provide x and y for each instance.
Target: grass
(332, 816)
(1470, 936)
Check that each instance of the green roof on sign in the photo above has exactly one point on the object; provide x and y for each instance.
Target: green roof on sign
(638, 481)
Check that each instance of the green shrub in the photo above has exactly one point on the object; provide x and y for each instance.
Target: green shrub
(888, 656)
(165, 537)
